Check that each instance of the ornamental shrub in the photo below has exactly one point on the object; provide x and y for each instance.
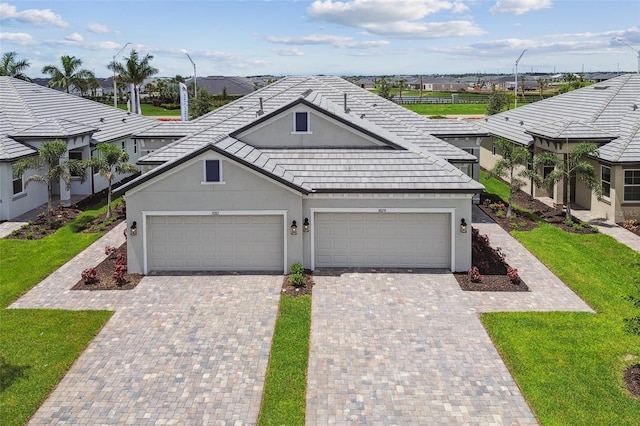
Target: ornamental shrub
(90, 275)
(474, 275)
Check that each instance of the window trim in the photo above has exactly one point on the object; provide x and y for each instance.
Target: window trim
(220, 180)
(625, 185)
(603, 181)
(14, 180)
(295, 123)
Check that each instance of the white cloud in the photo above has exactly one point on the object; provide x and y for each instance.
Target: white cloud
(519, 7)
(357, 13)
(22, 39)
(97, 28)
(341, 42)
(31, 16)
(292, 51)
(425, 30)
(75, 37)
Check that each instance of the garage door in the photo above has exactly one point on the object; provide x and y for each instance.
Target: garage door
(215, 243)
(402, 240)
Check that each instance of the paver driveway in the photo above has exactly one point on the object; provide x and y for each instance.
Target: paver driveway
(178, 350)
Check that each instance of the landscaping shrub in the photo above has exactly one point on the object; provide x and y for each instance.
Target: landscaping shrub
(110, 251)
(120, 269)
(296, 275)
(513, 275)
(474, 275)
(90, 275)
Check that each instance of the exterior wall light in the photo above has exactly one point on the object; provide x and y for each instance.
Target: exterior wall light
(463, 226)
(294, 228)
(306, 225)
(133, 230)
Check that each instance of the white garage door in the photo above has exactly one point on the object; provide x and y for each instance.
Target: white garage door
(215, 243)
(401, 240)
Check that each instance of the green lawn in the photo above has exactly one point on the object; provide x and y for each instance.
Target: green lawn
(37, 347)
(151, 111)
(447, 109)
(569, 365)
(284, 397)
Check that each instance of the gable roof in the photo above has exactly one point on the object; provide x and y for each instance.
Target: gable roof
(215, 84)
(28, 110)
(609, 110)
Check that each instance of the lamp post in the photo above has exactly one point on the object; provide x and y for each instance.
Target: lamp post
(115, 88)
(516, 91)
(195, 79)
(632, 48)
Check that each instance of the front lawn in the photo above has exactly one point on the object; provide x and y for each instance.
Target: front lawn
(447, 109)
(570, 365)
(37, 347)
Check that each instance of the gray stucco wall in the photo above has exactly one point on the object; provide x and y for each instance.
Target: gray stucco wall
(323, 132)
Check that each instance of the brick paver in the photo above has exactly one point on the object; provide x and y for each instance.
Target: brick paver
(409, 349)
(178, 349)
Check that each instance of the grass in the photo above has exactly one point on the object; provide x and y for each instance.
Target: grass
(569, 365)
(284, 396)
(151, 111)
(447, 109)
(37, 347)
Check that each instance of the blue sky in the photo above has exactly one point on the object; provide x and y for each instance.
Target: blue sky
(349, 37)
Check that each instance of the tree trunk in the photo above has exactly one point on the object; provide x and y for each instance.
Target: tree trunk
(49, 213)
(109, 200)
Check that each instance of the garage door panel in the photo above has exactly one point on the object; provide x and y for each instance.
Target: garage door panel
(215, 243)
(410, 240)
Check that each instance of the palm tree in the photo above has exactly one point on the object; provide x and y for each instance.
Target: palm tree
(49, 155)
(541, 83)
(512, 166)
(574, 164)
(69, 75)
(135, 71)
(402, 84)
(10, 66)
(111, 160)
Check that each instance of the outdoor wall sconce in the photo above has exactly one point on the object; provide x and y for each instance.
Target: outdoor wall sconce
(133, 230)
(294, 228)
(463, 226)
(306, 225)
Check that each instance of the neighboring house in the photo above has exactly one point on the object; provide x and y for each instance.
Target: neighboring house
(606, 114)
(30, 115)
(215, 85)
(313, 170)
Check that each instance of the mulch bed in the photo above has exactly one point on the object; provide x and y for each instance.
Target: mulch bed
(105, 281)
(294, 291)
(632, 379)
(489, 283)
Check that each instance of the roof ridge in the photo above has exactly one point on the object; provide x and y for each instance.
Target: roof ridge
(612, 96)
(634, 130)
(20, 98)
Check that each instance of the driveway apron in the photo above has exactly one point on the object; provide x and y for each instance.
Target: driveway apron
(178, 350)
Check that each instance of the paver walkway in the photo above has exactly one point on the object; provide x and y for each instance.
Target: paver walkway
(409, 349)
(6, 228)
(178, 349)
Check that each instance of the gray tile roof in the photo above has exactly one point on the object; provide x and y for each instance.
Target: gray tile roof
(29, 110)
(612, 107)
(569, 129)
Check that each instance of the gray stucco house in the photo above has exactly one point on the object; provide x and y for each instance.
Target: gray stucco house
(31, 115)
(606, 114)
(308, 169)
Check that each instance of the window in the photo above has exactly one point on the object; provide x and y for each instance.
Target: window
(632, 185)
(123, 145)
(495, 149)
(301, 122)
(18, 185)
(135, 146)
(75, 155)
(605, 181)
(212, 171)
(546, 171)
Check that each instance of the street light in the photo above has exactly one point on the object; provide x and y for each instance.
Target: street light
(115, 89)
(195, 79)
(632, 48)
(516, 91)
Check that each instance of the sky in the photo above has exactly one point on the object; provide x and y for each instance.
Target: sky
(349, 37)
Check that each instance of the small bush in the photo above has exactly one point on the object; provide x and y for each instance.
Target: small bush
(118, 274)
(631, 224)
(513, 275)
(474, 275)
(296, 280)
(90, 275)
(296, 268)
(110, 251)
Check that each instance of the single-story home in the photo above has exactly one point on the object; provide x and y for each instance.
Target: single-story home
(606, 114)
(30, 115)
(313, 170)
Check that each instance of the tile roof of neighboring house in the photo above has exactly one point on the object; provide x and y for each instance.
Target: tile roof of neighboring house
(611, 107)
(28, 110)
(417, 166)
(365, 111)
(234, 85)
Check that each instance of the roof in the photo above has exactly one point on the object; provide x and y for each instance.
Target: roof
(410, 159)
(609, 110)
(28, 110)
(234, 85)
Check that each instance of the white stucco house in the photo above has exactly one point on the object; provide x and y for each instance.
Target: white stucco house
(313, 170)
(606, 114)
(31, 115)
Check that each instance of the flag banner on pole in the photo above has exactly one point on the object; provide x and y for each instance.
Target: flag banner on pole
(135, 99)
(184, 102)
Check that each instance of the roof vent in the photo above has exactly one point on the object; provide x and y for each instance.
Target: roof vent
(124, 120)
(346, 108)
(102, 119)
(486, 119)
(635, 107)
(521, 122)
(362, 115)
(506, 119)
(374, 105)
(600, 87)
(261, 110)
(128, 112)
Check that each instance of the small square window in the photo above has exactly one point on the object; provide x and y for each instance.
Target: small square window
(301, 124)
(212, 171)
